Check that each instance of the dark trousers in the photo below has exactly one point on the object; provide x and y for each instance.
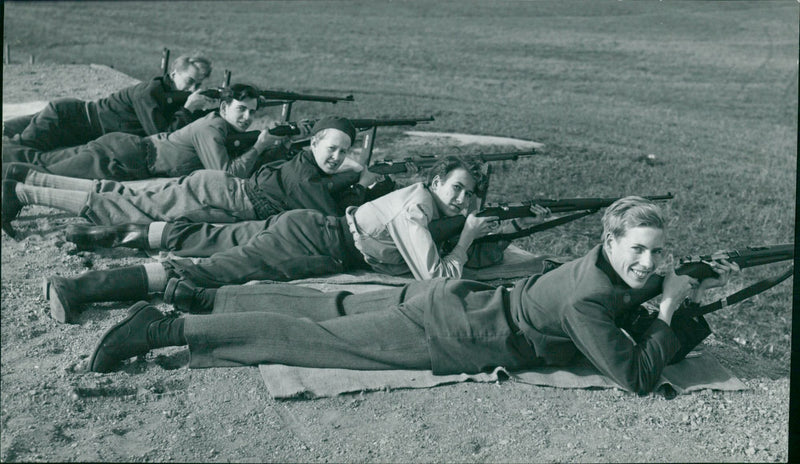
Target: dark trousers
(14, 126)
(287, 324)
(298, 244)
(114, 156)
(62, 123)
(203, 239)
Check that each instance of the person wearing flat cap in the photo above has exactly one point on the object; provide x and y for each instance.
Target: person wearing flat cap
(315, 179)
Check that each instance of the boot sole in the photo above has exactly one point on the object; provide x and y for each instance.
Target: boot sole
(93, 364)
(58, 310)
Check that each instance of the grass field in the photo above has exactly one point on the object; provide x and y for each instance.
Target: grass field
(709, 88)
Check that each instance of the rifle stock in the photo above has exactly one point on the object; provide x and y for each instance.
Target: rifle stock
(444, 228)
(426, 161)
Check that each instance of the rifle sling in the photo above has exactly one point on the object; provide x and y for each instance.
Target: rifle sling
(743, 294)
(537, 228)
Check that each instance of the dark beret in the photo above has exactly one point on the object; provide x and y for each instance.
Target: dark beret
(336, 122)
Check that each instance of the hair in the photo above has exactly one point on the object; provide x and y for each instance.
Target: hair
(319, 135)
(629, 212)
(450, 163)
(196, 59)
(238, 92)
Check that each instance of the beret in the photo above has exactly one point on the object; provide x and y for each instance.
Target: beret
(335, 122)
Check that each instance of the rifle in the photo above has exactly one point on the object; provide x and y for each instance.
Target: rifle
(444, 228)
(688, 321)
(425, 161)
(245, 140)
(286, 99)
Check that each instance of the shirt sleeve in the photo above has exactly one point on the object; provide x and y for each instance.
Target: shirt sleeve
(148, 110)
(635, 367)
(413, 240)
(209, 143)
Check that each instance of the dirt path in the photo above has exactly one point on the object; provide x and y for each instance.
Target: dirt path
(159, 410)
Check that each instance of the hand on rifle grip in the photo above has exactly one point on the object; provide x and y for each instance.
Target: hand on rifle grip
(197, 102)
(477, 227)
(724, 269)
(411, 168)
(675, 290)
(304, 126)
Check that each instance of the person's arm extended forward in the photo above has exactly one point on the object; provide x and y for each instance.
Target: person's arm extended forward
(414, 242)
(635, 367)
(210, 146)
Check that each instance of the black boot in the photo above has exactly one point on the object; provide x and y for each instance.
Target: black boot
(187, 298)
(67, 294)
(126, 339)
(124, 235)
(11, 207)
(18, 171)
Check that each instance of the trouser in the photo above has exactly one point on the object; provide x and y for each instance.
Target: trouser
(14, 126)
(287, 324)
(203, 196)
(115, 156)
(203, 239)
(64, 122)
(298, 244)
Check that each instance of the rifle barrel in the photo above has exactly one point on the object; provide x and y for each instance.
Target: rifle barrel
(292, 96)
(364, 124)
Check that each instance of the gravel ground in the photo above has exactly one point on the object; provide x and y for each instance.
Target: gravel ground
(157, 409)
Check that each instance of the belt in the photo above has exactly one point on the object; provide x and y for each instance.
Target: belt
(263, 208)
(149, 148)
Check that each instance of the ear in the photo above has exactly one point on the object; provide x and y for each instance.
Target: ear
(608, 240)
(223, 107)
(436, 182)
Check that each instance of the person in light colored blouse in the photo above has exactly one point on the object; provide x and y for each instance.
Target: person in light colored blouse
(388, 235)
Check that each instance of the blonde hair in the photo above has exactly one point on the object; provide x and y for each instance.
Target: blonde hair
(629, 212)
(196, 59)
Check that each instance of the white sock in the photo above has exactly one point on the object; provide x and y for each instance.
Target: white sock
(53, 181)
(67, 200)
(154, 232)
(156, 277)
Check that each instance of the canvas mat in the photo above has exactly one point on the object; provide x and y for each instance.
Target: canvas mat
(697, 372)
(702, 371)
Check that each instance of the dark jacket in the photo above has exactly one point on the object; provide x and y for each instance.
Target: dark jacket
(300, 184)
(141, 109)
(574, 308)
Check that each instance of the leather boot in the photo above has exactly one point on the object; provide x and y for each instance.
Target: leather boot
(11, 207)
(126, 339)
(187, 298)
(66, 295)
(123, 235)
(18, 171)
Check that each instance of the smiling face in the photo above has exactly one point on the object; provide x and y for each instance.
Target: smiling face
(636, 254)
(239, 113)
(330, 149)
(453, 193)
